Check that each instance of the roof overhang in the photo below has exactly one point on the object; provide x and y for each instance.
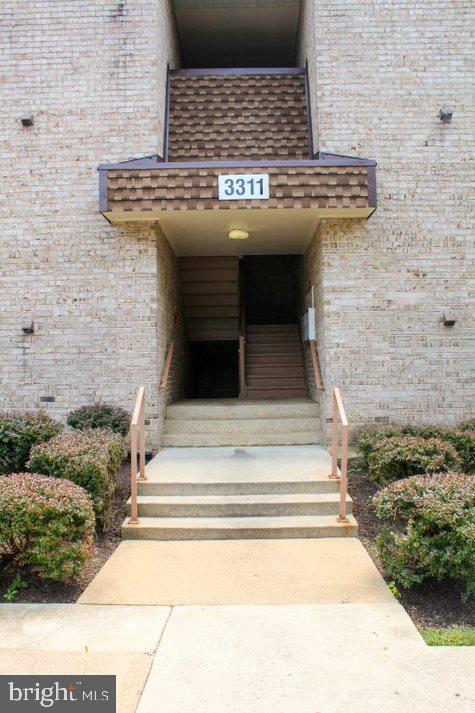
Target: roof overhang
(144, 189)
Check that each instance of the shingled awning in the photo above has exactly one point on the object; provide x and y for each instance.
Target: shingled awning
(228, 122)
(143, 189)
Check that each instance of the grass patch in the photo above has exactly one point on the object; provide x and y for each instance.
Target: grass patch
(462, 636)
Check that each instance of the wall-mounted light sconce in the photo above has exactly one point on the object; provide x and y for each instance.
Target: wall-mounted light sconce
(28, 327)
(445, 114)
(27, 120)
(238, 234)
(448, 319)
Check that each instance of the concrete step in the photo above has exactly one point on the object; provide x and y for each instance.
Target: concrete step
(227, 528)
(241, 409)
(238, 505)
(252, 438)
(258, 425)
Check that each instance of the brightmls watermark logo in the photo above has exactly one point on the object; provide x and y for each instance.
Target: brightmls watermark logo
(60, 694)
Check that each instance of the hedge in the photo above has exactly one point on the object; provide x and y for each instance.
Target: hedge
(19, 432)
(403, 456)
(100, 415)
(462, 438)
(91, 459)
(428, 529)
(46, 524)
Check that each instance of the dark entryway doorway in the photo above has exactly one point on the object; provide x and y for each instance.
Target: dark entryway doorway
(214, 370)
(270, 288)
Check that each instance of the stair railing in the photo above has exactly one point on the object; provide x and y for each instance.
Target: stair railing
(166, 365)
(316, 365)
(242, 345)
(341, 474)
(137, 445)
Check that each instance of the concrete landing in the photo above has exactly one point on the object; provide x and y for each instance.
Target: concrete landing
(303, 571)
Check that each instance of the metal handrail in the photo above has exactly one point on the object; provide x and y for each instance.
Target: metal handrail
(167, 365)
(137, 444)
(242, 344)
(339, 415)
(316, 365)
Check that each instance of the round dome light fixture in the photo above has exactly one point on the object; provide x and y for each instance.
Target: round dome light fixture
(238, 234)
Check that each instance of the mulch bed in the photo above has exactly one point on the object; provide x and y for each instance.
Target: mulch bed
(431, 604)
(46, 591)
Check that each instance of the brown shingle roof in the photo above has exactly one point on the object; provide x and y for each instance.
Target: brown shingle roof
(326, 187)
(243, 116)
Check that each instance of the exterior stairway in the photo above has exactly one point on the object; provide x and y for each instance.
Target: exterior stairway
(236, 422)
(239, 493)
(274, 362)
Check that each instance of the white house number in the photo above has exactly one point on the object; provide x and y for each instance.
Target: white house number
(243, 187)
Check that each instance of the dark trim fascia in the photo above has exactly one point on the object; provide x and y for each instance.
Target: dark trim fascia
(233, 71)
(372, 192)
(167, 114)
(309, 113)
(102, 190)
(150, 163)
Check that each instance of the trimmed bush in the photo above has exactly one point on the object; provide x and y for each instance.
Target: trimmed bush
(428, 529)
(19, 432)
(90, 459)
(403, 456)
(464, 444)
(100, 415)
(367, 437)
(466, 426)
(46, 524)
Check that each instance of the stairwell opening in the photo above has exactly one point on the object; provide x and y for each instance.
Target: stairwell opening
(270, 286)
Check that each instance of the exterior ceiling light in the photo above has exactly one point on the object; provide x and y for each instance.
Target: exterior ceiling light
(238, 234)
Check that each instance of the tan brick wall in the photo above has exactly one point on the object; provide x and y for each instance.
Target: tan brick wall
(383, 70)
(93, 76)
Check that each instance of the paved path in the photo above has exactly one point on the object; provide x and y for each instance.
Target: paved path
(321, 658)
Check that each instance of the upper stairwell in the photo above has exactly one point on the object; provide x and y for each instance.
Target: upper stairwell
(274, 362)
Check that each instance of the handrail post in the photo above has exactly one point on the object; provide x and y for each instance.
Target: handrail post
(340, 415)
(142, 475)
(242, 367)
(344, 473)
(334, 472)
(137, 442)
(133, 520)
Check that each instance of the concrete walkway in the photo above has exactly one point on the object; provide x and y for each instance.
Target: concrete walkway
(320, 658)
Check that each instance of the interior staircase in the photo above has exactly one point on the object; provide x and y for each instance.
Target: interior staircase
(274, 362)
(239, 493)
(235, 422)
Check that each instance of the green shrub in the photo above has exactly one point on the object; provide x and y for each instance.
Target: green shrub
(46, 524)
(19, 432)
(369, 437)
(90, 459)
(466, 426)
(402, 456)
(100, 415)
(464, 444)
(428, 529)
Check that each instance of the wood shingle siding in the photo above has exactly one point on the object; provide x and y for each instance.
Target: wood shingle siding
(237, 117)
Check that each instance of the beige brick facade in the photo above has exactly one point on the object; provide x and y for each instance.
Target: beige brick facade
(383, 70)
(105, 299)
(93, 76)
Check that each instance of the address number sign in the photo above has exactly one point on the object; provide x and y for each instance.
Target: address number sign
(243, 186)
